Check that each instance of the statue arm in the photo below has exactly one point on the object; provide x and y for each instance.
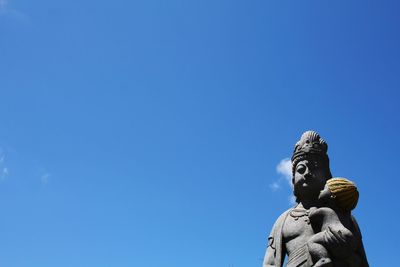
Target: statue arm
(270, 254)
(275, 253)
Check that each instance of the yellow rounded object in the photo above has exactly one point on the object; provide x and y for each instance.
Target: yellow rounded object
(345, 193)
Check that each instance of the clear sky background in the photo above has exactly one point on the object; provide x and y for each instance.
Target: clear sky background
(149, 133)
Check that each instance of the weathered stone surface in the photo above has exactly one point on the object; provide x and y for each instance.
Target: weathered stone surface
(319, 230)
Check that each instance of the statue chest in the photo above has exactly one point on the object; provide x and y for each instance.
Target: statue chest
(296, 232)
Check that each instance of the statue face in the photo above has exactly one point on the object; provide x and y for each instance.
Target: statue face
(309, 179)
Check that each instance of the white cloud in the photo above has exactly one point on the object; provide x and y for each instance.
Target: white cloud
(284, 168)
(292, 200)
(275, 186)
(3, 173)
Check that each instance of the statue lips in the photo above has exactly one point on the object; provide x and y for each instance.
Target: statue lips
(304, 185)
(308, 183)
(308, 180)
(305, 181)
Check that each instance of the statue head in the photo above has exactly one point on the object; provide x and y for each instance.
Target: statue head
(310, 166)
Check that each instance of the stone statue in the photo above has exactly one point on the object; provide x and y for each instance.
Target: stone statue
(319, 230)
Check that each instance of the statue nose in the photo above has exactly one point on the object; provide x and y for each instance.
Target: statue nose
(307, 175)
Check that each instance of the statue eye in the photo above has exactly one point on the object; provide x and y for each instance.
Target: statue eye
(301, 168)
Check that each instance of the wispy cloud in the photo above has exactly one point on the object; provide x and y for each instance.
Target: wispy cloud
(10, 13)
(44, 178)
(3, 168)
(4, 172)
(292, 200)
(274, 186)
(13, 165)
(284, 169)
(3, 4)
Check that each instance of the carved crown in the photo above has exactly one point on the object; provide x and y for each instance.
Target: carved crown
(310, 143)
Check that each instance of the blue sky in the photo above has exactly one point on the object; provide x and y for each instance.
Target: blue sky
(148, 133)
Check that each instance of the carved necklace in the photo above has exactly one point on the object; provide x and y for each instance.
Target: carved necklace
(298, 213)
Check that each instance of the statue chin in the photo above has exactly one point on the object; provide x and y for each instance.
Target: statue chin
(306, 191)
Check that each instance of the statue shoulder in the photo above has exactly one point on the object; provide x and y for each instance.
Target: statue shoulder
(282, 218)
(279, 223)
(275, 253)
